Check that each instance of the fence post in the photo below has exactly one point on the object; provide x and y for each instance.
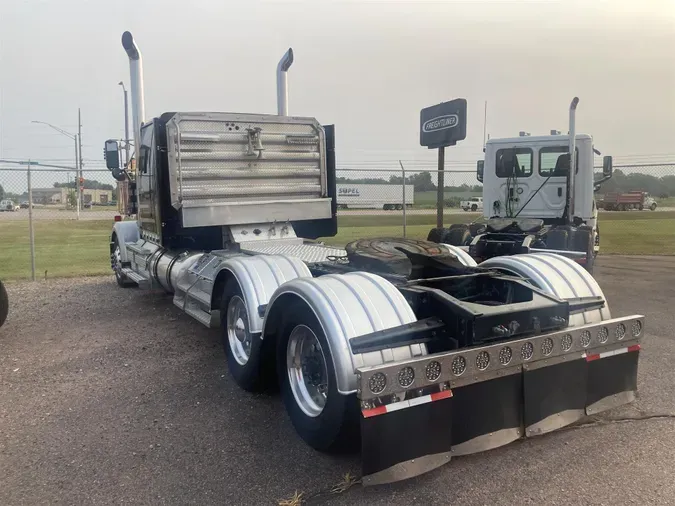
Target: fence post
(30, 225)
(404, 205)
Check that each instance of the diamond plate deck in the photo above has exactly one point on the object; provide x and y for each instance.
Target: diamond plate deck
(309, 253)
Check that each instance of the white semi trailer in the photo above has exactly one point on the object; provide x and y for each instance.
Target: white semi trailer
(406, 343)
(388, 197)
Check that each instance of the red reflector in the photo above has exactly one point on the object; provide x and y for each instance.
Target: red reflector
(445, 394)
(381, 410)
(635, 347)
(118, 217)
(590, 358)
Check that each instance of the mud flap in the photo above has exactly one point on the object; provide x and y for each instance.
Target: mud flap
(487, 414)
(405, 439)
(612, 378)
(555, 393)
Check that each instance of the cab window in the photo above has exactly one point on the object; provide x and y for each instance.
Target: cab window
(514, 162)
(555, 161)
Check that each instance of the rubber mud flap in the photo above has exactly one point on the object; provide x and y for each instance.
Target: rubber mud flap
(555, 395)
(487, 414)
(612, 381)
(406, 442)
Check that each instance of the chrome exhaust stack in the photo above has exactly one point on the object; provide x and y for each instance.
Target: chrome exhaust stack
(136, 78)
(573, 160)
(282, 82)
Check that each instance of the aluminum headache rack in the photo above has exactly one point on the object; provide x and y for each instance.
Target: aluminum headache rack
(233, 169)
(476, 399)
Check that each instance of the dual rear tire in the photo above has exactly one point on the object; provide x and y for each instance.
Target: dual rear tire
(305, 374)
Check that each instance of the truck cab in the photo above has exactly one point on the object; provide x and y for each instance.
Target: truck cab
(527, 177)
(536, 198)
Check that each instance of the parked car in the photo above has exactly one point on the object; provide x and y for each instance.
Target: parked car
(8, 205)
(473, 204)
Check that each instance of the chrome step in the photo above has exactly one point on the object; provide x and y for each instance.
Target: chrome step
(202, 317)
(132, 275)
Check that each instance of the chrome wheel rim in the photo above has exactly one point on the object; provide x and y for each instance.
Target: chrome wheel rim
(116, 261)
(307, 371)
(238, 333)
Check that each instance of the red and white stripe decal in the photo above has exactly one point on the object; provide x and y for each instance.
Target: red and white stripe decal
(620, 351)
(395, 406)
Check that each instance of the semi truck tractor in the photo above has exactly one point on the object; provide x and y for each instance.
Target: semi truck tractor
(404, 347)
(528, 205)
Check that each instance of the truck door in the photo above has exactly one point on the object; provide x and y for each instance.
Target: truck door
(553, 171)
(146, 183)
(514, 169)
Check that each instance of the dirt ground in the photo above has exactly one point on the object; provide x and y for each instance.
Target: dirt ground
(111, 396)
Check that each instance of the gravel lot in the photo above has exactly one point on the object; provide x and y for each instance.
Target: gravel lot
(111, 396)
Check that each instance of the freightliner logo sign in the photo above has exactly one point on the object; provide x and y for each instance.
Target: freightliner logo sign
(443, 124)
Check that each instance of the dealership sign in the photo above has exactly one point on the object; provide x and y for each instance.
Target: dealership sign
(443, 124)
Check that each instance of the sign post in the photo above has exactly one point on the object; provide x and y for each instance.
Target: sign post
(442, 125)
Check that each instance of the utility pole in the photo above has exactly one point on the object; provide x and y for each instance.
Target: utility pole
(79, 177)
(77, 195)
(74, 137)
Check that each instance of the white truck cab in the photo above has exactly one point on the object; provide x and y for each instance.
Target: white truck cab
(536, 198)
(538, 186)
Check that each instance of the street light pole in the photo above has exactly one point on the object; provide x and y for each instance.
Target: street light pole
(75, 138)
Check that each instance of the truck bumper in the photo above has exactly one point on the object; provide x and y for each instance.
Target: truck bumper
(476, 399)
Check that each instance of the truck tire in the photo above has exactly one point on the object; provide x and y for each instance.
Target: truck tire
(116, 262)
(436, 234)
(653, 207)
(558, 276)
(4, 304)
(243, 350)
(325, 419)
(474, 208)
(459, 236)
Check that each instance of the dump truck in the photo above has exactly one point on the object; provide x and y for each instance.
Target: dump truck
(636, 199)
(527, 203)
(404, 347)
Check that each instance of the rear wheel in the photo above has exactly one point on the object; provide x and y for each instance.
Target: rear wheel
(324, 418)
(436, 234)
(458, 236)
(4, 304)
(242, 349)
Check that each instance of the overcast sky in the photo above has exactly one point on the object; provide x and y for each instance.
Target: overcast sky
(366, 66)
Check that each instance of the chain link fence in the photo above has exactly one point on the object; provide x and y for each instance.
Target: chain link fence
(637, 215)
(59, 234)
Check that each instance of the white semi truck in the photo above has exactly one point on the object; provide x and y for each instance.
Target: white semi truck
(527, 203)
(405, 346)
(388, 197)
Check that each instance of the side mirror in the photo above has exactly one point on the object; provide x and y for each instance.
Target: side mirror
(112, 154)
(607, 166)
(118, 175)
(480, 167)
